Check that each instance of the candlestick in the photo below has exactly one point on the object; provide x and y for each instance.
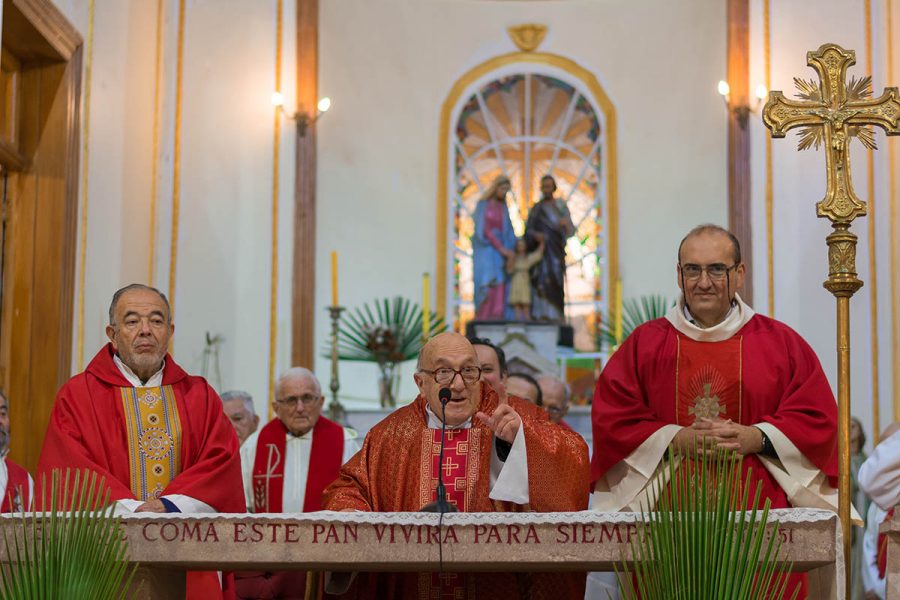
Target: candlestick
(336, 410)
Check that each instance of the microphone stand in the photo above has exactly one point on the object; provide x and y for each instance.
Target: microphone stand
(440, 505)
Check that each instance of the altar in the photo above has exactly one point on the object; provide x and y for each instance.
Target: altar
(167, 546)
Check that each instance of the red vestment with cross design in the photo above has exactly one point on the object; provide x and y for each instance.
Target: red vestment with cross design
(396, 470)
(765, 373)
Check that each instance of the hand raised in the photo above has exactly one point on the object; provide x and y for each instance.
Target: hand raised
(504, 421)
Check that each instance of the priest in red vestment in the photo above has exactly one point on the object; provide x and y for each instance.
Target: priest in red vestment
(158, 435)
(716, 374)
(503, 456)
(16, 484)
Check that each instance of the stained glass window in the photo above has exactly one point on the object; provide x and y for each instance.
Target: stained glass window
(526, 125)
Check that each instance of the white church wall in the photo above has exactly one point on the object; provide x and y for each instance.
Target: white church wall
(226, 169)
(389, 66)
(798, 178)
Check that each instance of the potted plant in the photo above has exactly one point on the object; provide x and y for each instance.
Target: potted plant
(387, 332)
(635, 312)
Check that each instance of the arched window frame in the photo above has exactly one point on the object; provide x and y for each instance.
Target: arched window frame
(510, 64)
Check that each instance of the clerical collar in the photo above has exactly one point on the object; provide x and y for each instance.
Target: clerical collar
(154, 381)
(434, 422)
(682, 320)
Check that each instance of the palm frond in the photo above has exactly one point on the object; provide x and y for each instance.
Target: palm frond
(707, 536)
(79, 555)
(635, 312)
(385, 330)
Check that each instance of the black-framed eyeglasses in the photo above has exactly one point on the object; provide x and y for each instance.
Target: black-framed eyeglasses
(715, 271)
(445, 375)
(306, 399)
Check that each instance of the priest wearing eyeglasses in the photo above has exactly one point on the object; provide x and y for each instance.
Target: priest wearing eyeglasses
(286, 466)
(714, 374)
(500, 455)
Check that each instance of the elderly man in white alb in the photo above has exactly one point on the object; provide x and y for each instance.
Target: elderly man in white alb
(287, 464)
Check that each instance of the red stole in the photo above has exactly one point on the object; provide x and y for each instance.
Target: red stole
(15, 497)
(708, 380)
(881, 553)
(268, 465)
(455, 468)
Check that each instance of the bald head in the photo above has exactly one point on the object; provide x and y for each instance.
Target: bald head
(448, 341)
(449, 351)
(555, 394)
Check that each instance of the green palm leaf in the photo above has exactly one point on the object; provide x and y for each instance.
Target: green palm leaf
(635, 312)
(385, 330)
(79, 555)
(706, 537)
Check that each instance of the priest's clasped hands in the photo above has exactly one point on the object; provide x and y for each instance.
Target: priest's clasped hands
(706, 435)
(504, 421)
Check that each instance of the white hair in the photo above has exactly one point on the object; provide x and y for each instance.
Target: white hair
(239, 395)
(297, 373)
(566, 387)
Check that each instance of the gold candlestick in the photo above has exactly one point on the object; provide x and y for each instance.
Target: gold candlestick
(336, 410)
(831, 113)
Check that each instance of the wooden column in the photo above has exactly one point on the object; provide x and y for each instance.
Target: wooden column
(739, 218)
(304, 272)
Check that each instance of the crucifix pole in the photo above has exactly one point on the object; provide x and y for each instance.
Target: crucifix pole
(830, 113)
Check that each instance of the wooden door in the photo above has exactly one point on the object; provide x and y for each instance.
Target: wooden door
(40, 92)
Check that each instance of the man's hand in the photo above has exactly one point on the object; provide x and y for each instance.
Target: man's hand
(693, 440)
(504, 422)
(743, 439)
(155, 506)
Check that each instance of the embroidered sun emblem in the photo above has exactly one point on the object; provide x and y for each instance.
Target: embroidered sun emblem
(706, 406)
(149, 397)
(156, 443)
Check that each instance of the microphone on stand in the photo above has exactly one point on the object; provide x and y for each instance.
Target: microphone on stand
(440, 505)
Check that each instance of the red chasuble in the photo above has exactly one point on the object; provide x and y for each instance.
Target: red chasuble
(268, 465)
(88, 430)
(764, 373)
(183, 439)
(15, 498)
(396, 470)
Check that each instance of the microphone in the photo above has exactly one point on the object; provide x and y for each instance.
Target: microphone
(440, 505)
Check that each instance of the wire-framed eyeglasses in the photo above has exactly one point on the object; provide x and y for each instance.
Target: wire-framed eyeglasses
(715, 271)
(445, 375)
(306, 399)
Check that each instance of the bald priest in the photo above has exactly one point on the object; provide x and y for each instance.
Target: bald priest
(503, 456)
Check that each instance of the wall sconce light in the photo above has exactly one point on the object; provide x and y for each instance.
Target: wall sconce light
(743, 111)
(302, 118)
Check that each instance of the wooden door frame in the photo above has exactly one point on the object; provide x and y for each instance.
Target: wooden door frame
(44, 180)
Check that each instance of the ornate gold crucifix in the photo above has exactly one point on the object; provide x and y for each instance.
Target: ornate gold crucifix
(831, 113)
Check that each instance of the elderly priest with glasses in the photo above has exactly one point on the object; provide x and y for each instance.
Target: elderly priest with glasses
(714, 374)
(498, 456)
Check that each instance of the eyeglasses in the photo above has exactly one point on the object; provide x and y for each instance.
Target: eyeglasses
(306, 399)
(445, 376)
(715, 271)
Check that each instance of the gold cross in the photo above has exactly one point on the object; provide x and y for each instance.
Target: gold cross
(833, 112)
(449, 465)
(706, 406)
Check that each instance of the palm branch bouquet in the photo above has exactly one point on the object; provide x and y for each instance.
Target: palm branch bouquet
(702, 541)
(79, 555)
(386, 331)
(635, 312)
